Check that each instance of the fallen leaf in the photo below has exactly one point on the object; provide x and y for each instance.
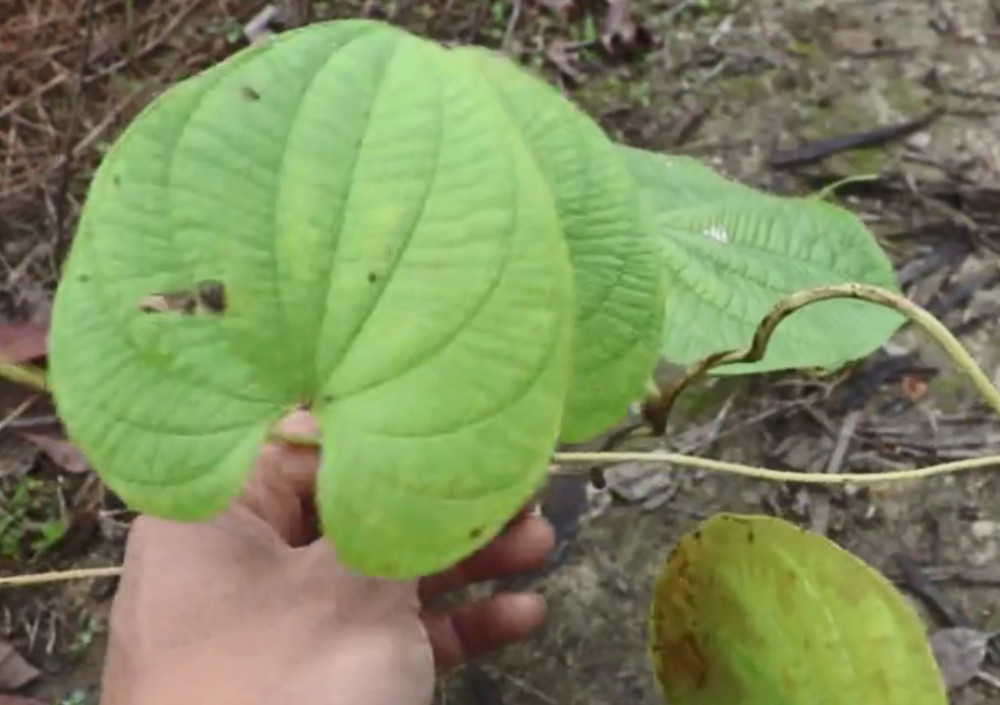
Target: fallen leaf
(15, 672)
(23, 342)
(620, 32)
(62, 453)
(558, 55)
(959, 652)
(734, 622)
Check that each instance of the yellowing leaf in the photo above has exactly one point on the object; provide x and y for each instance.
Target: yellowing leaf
(751, 610)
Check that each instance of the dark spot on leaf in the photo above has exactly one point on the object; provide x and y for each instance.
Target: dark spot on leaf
(212, 296)
(249, 93)
(696, 535)
(84, 278)
(476, 533)
(116, 180)
(750, 536)
(372, 277)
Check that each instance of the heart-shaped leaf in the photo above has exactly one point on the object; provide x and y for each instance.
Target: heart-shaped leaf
(730, 253)
(343, 217)
(619, 297)
(752, 610)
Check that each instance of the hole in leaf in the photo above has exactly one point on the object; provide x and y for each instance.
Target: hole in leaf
(168, 303)
(209, 298)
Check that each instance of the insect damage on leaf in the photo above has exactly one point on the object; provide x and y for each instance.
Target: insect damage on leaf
(207, 298)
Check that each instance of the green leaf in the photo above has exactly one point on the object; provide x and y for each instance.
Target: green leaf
(614, 251)
(730, 253)
(751, 610)
(390, 254)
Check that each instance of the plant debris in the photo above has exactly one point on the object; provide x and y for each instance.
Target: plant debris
(621, 33)
(63, 453)
(15, 672)
(960, 652)
(23, 342)
(819, 150)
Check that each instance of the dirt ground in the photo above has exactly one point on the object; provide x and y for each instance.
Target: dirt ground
(738, 83)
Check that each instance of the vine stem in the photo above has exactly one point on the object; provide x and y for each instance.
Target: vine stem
(856, 478)
(723, 466)
(665, 403)
(659, 409)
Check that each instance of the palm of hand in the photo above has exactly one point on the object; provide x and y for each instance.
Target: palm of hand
(253, 607)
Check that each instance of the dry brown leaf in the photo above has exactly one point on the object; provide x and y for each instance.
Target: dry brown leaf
(558, 55)
(959, 652)
(23, 342)
(619, 23)
(62, 453)
(15, 672)
(620, 32)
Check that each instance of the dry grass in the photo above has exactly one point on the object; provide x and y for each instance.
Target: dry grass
(72, 74)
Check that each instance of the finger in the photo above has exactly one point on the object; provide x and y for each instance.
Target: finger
(281, 490)
(295, 464)
(475, 628)
(524, 546)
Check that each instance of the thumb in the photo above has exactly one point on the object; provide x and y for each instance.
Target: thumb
(281, 489)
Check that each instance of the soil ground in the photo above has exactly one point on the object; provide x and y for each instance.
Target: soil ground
(729, 81)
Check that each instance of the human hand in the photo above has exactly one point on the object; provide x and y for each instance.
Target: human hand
(252, 607)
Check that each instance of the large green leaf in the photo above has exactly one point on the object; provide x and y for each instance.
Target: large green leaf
(751, 610)
(730, 253)
(390, 254)
(614, 252)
